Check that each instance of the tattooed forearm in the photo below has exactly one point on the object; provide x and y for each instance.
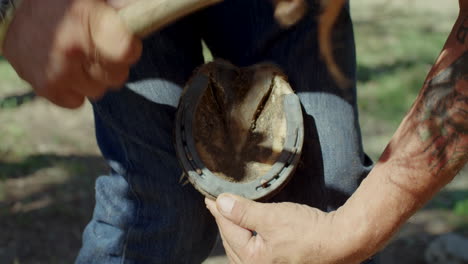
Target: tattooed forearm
(443, 113)
(462, 32)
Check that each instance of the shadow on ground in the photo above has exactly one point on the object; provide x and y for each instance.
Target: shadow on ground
(44, 206)
(16, 100)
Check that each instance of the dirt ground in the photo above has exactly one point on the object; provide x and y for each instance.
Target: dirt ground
(49, 160)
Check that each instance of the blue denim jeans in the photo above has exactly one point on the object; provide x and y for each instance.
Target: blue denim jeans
(143, 214)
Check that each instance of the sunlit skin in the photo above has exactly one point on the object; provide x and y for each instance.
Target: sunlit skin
(82, 49)
(74, 55)
(426, 152)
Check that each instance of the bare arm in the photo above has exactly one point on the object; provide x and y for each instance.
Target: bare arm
(429, 148)
(427, 151)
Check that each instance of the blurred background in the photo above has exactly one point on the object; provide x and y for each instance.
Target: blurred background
(49, 159)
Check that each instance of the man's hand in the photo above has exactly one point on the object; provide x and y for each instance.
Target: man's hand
(427, 151)
(285, 233)
(71, 49)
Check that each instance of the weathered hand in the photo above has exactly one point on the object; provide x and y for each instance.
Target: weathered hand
(71, 49)
(285, 233)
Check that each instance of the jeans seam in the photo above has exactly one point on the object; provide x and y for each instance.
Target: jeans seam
(129, 175)
(123, 140)
(138, 204)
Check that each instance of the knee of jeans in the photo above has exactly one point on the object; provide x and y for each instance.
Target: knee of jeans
(101, 240)
(333, 121)
(343, 172)
(116, 204)
(104, 237)
(128, 122)
(343, 176)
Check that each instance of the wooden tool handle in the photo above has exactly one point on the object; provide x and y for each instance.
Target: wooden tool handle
(146, 16)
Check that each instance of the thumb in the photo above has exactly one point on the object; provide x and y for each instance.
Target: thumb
(289, 12)
(117, 4)
(242, 212)
(112, 40)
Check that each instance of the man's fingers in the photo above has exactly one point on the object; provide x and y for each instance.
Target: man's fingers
(76, 91)
(89, 88)
(82, 82)
(232, 255)
(114, 50)
(235, 238)
(117, 4)
(66, 83)
(111, 75)
(242, 212)
(112, 40)
(66, 99)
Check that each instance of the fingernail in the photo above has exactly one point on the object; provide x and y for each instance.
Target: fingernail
(225, 203)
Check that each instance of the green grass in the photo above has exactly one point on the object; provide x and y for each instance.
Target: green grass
(394, 56)
(461, 207)
(10, 82)
(396, 47)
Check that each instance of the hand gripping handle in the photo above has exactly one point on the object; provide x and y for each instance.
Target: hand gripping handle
(144, 17)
